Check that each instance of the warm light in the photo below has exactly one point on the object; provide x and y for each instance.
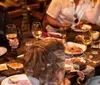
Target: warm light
(39, 32)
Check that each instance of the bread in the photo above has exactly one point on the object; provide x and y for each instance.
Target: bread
(15, 65)
(3, 67)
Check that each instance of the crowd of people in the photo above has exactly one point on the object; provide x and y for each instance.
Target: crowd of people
(46, 62)
(49, 57)
(46, 58)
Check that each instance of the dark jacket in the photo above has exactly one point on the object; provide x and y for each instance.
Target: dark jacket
(4, 20)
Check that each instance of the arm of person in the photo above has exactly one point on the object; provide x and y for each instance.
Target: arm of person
(14, 43)
(55, 23)
(94, 14)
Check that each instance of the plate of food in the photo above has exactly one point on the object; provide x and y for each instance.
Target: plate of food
(81, 27)
(3, 50)
(21, 79)
(74, 48)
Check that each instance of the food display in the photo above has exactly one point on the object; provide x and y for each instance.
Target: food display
(15, 65)
(79, 63)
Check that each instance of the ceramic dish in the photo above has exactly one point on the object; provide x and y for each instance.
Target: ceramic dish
(84, 28)
(20, 77)
(74, 48)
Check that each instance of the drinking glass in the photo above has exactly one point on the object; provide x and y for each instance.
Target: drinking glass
(63, 32)
(37, 30)
(28, 43)
(11, 33)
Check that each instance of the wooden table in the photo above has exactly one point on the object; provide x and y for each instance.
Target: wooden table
(71, 37)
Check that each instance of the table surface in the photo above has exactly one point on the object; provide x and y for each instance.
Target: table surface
(70, 37)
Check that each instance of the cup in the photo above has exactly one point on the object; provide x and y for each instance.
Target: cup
(11, 34)
(95, 35)
(37, 30)
(28, 44)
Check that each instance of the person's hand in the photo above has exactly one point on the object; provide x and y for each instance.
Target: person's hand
(66, 24)
(14, 43)
(81, 74)
(66, 82)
